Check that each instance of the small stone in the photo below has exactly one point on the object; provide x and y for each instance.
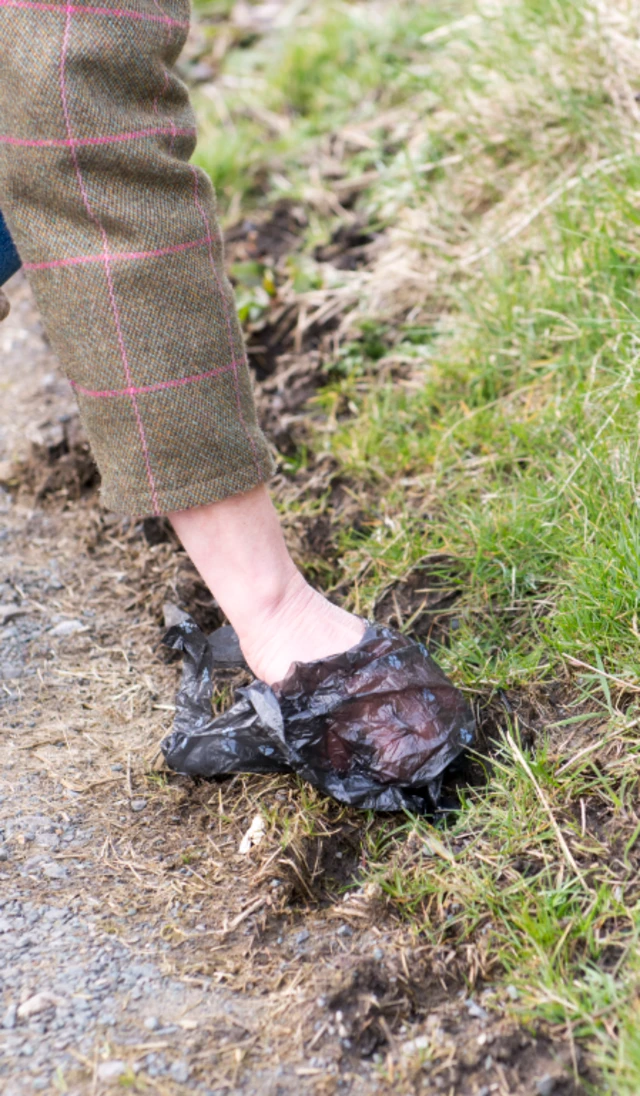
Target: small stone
(67, 628)
(138, 804)
(117, 768)
(179, 1072)
(111, 1071)
(546, 1085)
(40, 1002)
(476, 1010)
(302, 936)
(4, 855)
(345, 930)
(152, 1023)
(47, 840)
(54, 871)
(412, 1046)
(512, 993)
(378, 954)
(9, 1018)
(33, 863)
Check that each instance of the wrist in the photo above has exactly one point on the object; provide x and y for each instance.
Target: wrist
(274, 594)
(238, 548)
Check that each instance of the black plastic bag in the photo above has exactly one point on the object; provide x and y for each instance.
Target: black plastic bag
(374, 727)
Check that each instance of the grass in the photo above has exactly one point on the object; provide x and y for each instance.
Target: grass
(498, 146)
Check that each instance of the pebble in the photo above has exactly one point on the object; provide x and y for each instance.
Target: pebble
(302, 936)
(40, 1002)
(345, 930)
(421, 1042)
(47, 840)
(54, 870)
(9, 1018)
(111, 1071)
(67, 628)
(476, 1010)
(152, 1023)
(138, 804)
(546, 1085)
(179, 1072)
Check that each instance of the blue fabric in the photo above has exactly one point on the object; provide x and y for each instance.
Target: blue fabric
(9, 258)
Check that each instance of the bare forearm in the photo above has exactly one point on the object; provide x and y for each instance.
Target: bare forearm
(238, 547)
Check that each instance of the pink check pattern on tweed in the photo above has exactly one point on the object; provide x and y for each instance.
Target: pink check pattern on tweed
(88, 9)
(95, 160)
(72, 142)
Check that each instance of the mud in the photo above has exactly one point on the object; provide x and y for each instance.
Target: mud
(420, 603)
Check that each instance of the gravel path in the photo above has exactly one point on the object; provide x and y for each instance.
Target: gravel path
(67, 985)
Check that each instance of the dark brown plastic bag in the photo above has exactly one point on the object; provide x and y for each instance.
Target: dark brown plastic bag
(374, 727)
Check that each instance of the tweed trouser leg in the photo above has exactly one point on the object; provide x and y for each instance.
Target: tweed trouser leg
(118, 234)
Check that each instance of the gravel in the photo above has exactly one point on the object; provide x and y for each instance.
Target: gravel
(67, 986)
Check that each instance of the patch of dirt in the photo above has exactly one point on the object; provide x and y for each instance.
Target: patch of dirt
(349, 247)
(296, 332)
(271, 235)
(282, 396)
(60, 465)
(420, 602)
(318, 867)
(266, 241)
(373, 1001)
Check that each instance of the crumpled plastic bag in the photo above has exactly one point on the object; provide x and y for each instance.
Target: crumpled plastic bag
(374, 727)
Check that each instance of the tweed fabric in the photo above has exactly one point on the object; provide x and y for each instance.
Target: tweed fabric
(118, 234)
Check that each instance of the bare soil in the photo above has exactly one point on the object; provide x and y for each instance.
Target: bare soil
(270, 972)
